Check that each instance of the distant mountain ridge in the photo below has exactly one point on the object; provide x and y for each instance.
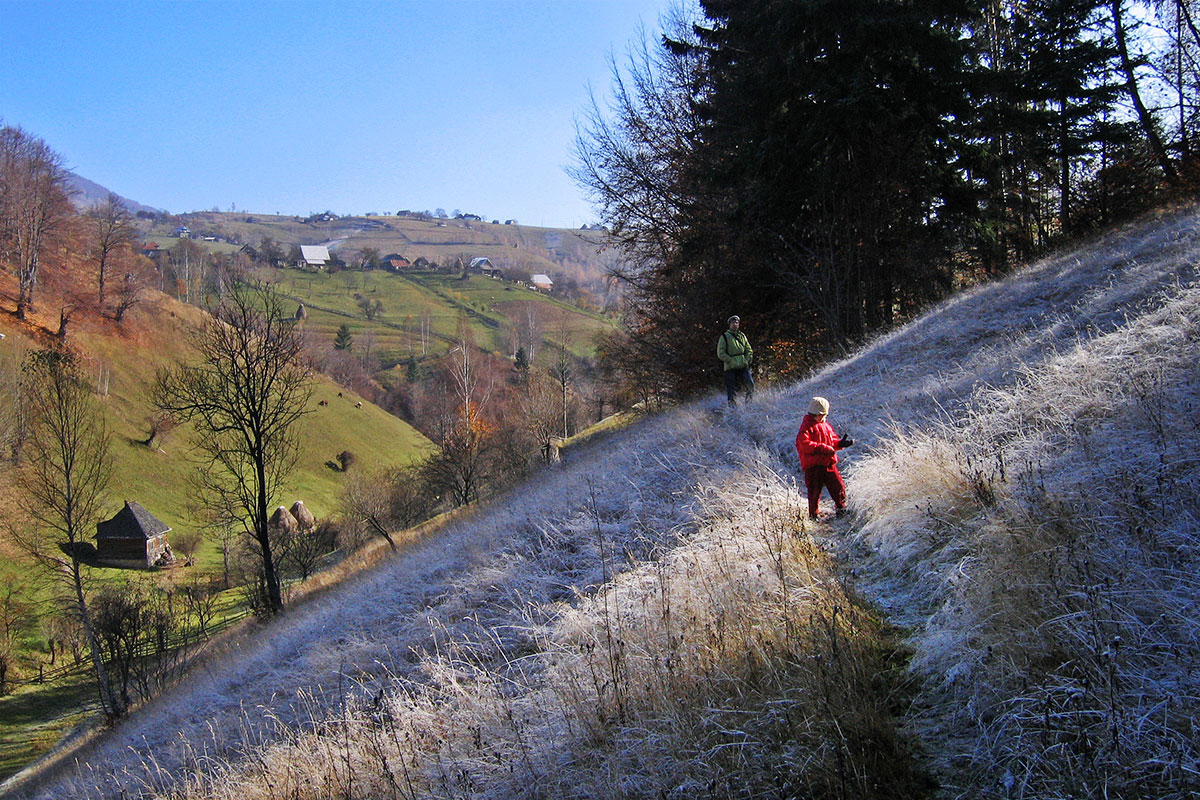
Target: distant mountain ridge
(86, 193)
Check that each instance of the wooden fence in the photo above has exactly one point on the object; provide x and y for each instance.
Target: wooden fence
(145, 648)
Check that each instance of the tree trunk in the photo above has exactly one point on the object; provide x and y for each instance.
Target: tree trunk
(1144, 117)
(113, 707)
(274, 595)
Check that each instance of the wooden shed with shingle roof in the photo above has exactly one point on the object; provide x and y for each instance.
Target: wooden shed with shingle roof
(133, 537)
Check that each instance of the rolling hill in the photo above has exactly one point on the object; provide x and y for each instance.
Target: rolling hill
(123, 359)
(581, 256)
(86, 193)
(1008, 611)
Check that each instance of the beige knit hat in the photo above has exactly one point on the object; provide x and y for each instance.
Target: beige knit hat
(818, 406)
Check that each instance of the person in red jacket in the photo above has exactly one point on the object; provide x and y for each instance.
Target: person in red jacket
(817, 444)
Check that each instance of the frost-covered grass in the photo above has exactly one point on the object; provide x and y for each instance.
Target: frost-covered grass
(737, 665)
(1051, 539)
(654, 620)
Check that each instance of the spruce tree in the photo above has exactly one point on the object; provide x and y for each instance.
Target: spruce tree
(343, 340)
(831, 138)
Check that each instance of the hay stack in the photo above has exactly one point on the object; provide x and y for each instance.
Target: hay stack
(282, 521)
(303, 516)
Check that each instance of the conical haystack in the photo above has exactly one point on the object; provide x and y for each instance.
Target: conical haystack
(303, 516)
(283, 521)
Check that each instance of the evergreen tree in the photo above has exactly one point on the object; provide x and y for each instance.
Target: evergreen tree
(342, 340)
(830, 153)
(1046, 96)
(824, 168)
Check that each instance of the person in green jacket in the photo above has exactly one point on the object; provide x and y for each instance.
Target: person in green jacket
(733, 348)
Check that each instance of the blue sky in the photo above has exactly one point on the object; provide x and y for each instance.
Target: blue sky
(296, 107)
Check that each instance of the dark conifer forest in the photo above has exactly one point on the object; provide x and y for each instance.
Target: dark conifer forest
(826, 169)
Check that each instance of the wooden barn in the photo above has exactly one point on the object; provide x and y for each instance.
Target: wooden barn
(134, 538)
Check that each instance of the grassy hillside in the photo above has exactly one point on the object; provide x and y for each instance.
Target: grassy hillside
(122, 361)
(492, 308)
(1009, 611)
(580, 255)
(156, 336)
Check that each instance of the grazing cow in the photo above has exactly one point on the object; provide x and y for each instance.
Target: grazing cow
(358, 404)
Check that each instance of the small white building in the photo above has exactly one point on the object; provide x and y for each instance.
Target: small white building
(542, 282)
(314, 255)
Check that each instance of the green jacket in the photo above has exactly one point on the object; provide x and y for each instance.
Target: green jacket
(734, 350)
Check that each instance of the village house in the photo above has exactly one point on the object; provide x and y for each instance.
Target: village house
(542, 282)
(484, 266)
(133, 538)
(314, 256)
(395, 261)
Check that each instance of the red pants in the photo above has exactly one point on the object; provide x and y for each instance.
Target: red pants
(818, 478)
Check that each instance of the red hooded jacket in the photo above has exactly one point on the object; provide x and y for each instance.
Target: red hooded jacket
(816, 443)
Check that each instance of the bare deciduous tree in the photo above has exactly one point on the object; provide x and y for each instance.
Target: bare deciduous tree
(464, 437)
(532, 329)
(16, 615)
(540, 411)
(562, 371)
(384, 503)
(34, 205)
(131, 289)
(426, 330)
(111, 230)
(244, 398)
(68, 470)
(307, 547)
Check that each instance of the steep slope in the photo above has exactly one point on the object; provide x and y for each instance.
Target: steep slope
(617, 627)
(124, 358)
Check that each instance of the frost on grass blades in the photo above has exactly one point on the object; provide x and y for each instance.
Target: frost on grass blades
(736, 665)
(653, 619)
(1053, 532)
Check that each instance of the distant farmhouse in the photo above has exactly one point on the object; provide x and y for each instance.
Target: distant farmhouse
(484, 266)
(315, 256)
(395, 261)
(133, 538)
(542, 282)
